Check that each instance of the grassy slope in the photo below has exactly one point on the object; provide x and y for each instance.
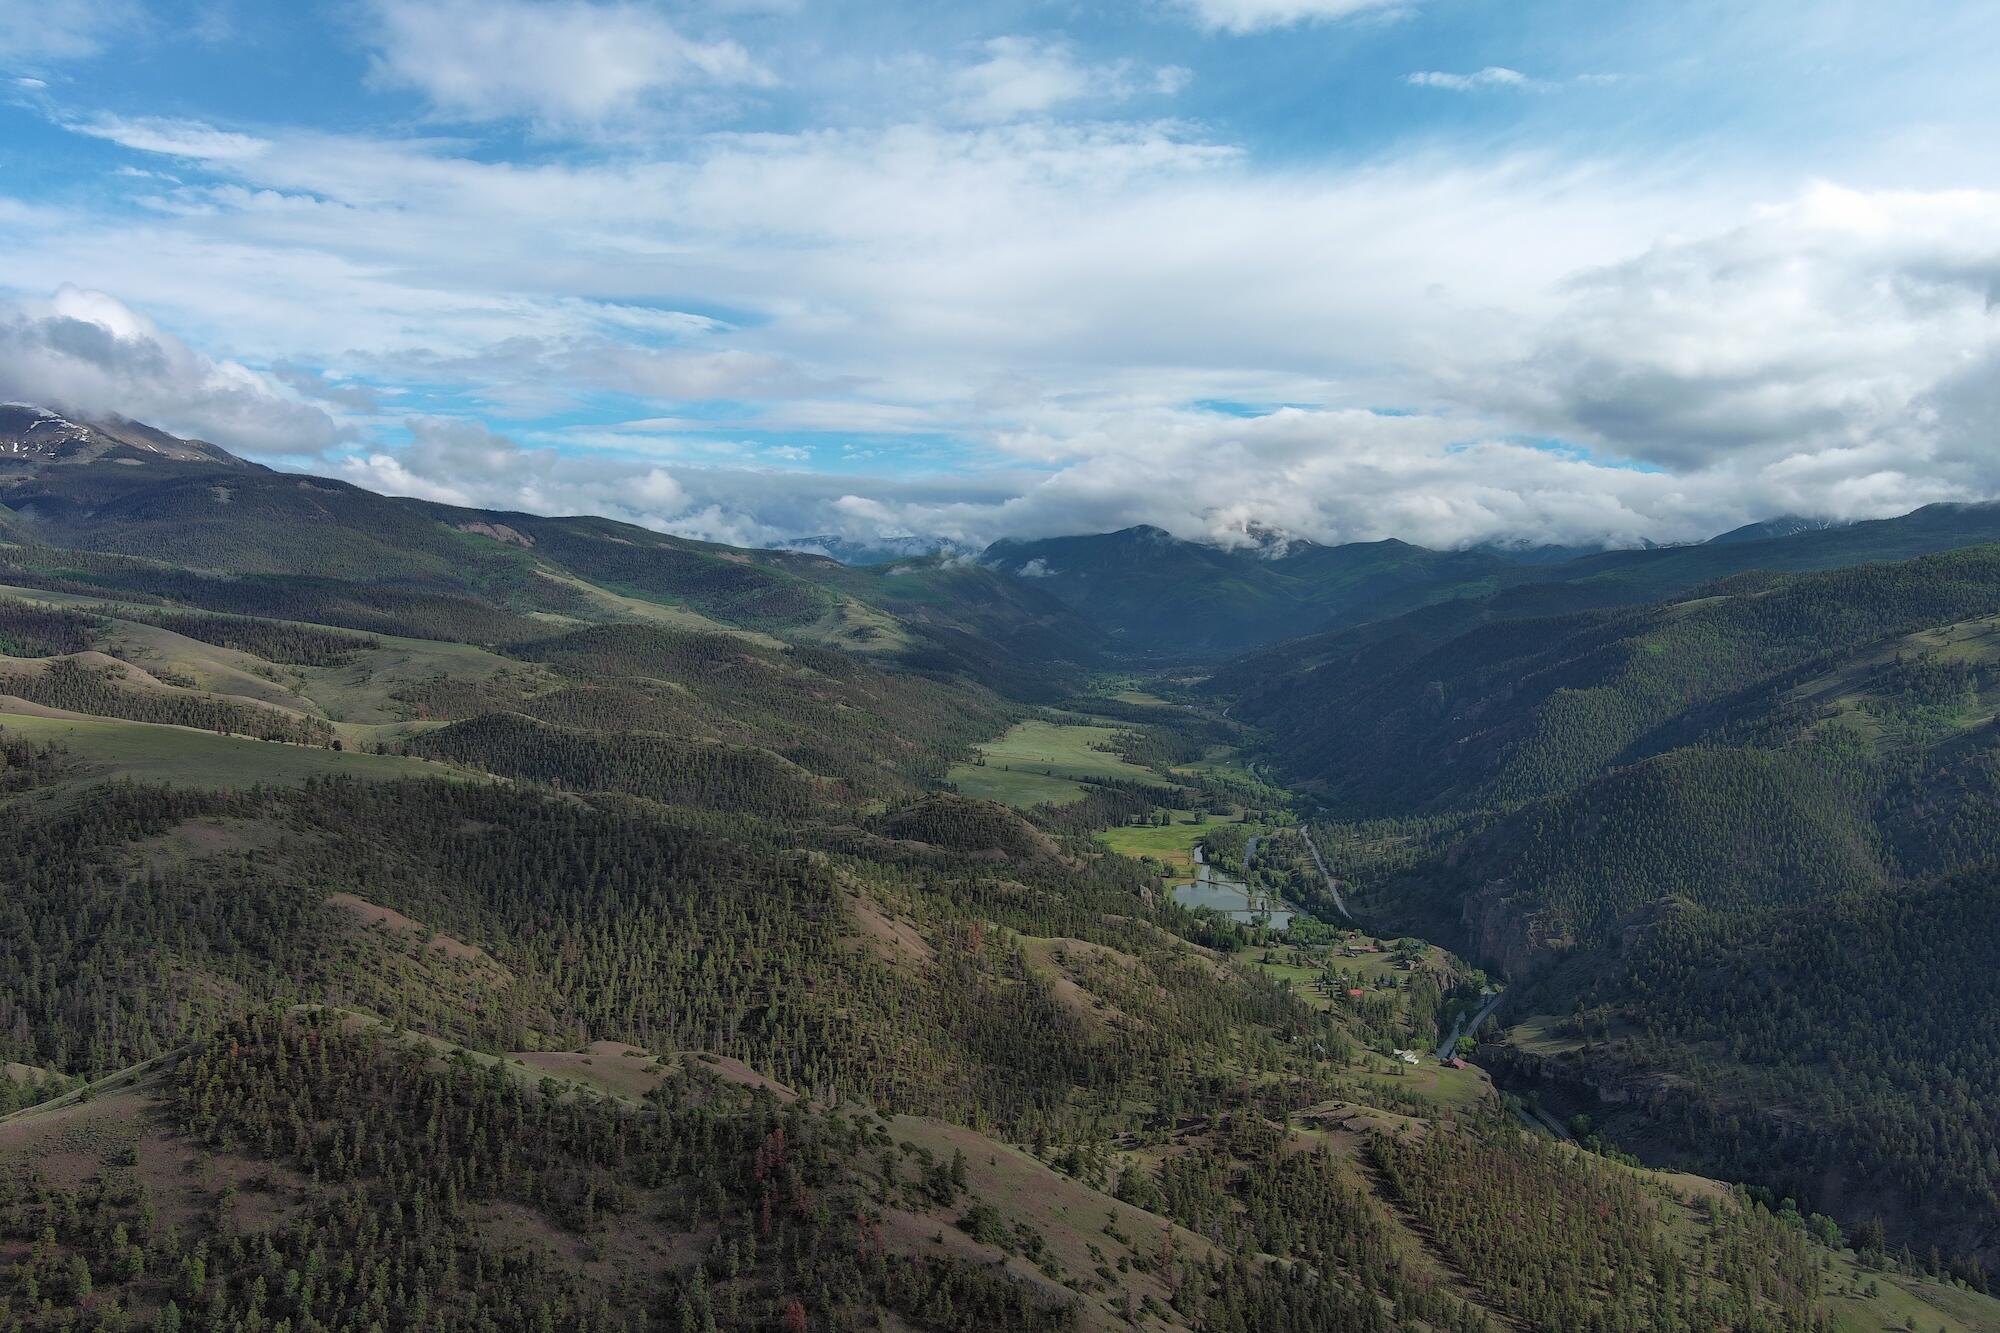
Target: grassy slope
(367, 553)
(1852, 695)
(393, 689)
(146, 752)
(359, 691)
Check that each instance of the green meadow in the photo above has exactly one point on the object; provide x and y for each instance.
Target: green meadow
(1040, 762)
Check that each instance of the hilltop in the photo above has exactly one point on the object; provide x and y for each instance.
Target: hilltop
(34, 437)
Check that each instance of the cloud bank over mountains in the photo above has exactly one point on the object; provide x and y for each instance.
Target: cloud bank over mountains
(88, 353)
(692, 269)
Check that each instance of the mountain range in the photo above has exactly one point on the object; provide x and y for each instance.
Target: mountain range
(877, 550)
(429, 917)
(1157, 595)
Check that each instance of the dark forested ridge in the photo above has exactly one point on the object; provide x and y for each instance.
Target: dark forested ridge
(1512, 710)
(1157, 594)
(1162, 596)
(1721, 845)
(425, 918)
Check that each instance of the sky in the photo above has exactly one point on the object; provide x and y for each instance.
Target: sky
(1453, 271)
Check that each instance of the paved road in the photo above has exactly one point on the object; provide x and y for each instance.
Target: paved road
(1332, 884)
(1446, 1047)
(1536, 1118)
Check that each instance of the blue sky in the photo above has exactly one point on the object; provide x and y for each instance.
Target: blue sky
(1450, 270)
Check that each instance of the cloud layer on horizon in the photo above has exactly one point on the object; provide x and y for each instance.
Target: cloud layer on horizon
(1021, 300)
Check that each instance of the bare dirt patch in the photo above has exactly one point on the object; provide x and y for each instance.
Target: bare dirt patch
(372, 914)
(123, 1126)
(890, 940)
(499, 532)
(1060, 963)
(735, 1071)
(196, 839)
(610, 1066)
(1070, 1215)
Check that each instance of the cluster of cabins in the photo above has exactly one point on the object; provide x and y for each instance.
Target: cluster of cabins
(1417, 1058)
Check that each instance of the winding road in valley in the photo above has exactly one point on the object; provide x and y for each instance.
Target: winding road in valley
(1332, 884)
(1447, 1047)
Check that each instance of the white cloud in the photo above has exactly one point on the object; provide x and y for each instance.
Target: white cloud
(458, 461)
(1835, 354)
(560, 62)
(549, 368)
(1043, 300)
(173, 138)
(1330, 475)
(1832, 333)
(88, 353)
(1493, 76)
(1245, 16)
(64, 30)
(1021, 76)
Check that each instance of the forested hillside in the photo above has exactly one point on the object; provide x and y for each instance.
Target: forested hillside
(1156, 595)
(1160, 597)
(1667, 825)
(590, 955)
(1513, 710)
(427, 920)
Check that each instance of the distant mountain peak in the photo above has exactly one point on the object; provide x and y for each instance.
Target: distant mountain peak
(32, 437)
(1274, 543)
(875, 550)
(1784, 525)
